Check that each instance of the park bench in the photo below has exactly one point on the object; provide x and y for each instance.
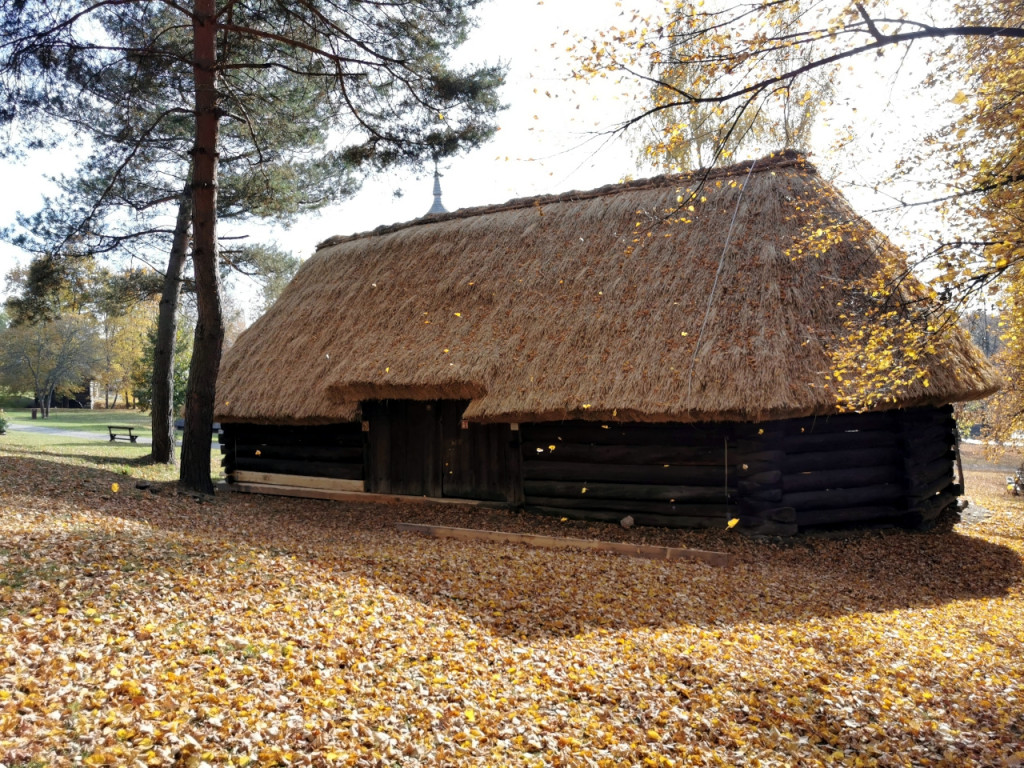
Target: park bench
(118, 432)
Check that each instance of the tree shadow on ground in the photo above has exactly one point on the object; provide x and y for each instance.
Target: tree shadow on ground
(513, 589)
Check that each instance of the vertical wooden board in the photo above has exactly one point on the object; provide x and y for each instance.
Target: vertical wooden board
(379, 471)
(433, 454)
(514, 468)
(476, 459)
(406, 463)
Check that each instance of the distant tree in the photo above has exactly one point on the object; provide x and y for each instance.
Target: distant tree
(114, 305)
(984, 327)
(378, 73)
(280, 268)
(53, 357)
(680, 135)
(141, 376)
(123, 339)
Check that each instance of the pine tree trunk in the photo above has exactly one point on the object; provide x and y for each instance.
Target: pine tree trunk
(202, 375)
(162, 415)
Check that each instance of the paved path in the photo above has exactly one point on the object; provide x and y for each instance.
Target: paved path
(143, 440)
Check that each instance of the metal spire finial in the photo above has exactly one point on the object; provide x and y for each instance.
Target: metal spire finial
(437, 207)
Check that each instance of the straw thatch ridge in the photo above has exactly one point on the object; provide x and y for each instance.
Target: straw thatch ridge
(695, 181)
(615, 304)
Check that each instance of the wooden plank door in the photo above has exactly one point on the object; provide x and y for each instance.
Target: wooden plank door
(479, 459)
(404, 451)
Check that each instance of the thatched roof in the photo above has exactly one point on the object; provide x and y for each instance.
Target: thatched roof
(618, 303)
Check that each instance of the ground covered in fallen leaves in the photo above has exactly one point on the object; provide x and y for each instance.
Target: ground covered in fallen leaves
(141, 628)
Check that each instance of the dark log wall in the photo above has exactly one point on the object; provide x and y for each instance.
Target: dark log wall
(333, 450)
(776, 477)
(670, 475)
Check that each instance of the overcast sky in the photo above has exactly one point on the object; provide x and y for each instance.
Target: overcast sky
(552, 136)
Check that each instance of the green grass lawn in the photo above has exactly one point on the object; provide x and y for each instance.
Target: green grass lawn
(80, 419)
(122, 457)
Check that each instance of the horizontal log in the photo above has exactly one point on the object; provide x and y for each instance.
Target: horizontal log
(825, 460)
(622, 454)
(639, 518)
(923, 492)
(915, 464)
(337, 453)
(770, 441)
(838, 441)
(747, 490)
(749, 468)
(923, 437)
(308, 468)
(720, 512)
(594, 432)
(829, 441)
(847, 515)
(842, 422)
(929, 473)
(755, 526)
(625, 491)
(842, 478)
(648, 551)
(759, 508)
(773, 458)
(298, 481)
(932, 507)
(838, 498)
(331, 434)
(927, 414)
(924, 417)
(769, 479)
(924, 453)
(654, 474)
(781, 515)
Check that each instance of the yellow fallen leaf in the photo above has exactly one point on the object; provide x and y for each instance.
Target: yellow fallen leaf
(732, 523)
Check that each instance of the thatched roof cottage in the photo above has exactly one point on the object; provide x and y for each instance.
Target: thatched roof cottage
(684, 348)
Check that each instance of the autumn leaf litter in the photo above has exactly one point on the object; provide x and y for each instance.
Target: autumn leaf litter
(141, 628)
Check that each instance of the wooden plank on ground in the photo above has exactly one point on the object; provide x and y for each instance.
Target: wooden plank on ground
(375, 498)
(721, 559)
(299, 481)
